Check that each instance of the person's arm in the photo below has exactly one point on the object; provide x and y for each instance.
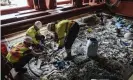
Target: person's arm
(55, 37)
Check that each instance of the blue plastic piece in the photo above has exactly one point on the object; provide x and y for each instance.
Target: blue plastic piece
(59, 64)
(124, 43)
(118, 25)
(129, 28)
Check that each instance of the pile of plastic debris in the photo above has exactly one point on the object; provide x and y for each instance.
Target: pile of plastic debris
(115, 61)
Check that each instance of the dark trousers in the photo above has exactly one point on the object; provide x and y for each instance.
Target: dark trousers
(5, 69)
(22, 62)
(71, 36)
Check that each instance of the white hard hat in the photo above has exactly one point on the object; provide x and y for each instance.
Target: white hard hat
(128, 36)
(50, 26)
(38, 24)
(28, 39)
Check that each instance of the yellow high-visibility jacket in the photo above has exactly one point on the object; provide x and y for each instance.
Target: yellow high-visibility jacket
(16, 52)
(32, 33)
(62, 28)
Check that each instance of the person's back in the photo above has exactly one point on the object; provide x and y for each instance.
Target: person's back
(37, 38)
(62, 29)
(16, 52)
(32, 32)
(65, 33)
(20, 54)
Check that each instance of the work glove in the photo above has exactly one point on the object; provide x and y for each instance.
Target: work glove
(38, 37)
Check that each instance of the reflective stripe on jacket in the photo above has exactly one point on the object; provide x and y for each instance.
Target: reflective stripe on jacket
(16, 52)
(62, 28)
(32, 33)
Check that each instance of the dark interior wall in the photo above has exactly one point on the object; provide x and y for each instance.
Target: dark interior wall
(86, 1)
(125, 7)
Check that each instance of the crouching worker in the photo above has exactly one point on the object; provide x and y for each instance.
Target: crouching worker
(65, 33)
(20, 55)
(36, 36)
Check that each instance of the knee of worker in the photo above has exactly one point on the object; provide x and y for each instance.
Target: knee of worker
(23, 61)
(27, 58)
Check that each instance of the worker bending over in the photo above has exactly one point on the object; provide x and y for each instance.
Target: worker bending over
(20, 55)
(35, 34)
(65, 33)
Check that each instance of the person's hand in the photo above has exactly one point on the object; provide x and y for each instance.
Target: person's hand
(38, 37)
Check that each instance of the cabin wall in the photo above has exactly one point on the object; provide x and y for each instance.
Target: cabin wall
(125, 8)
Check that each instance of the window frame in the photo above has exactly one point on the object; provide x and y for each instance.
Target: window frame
(64, 2)
(29, 6)
(14, 10)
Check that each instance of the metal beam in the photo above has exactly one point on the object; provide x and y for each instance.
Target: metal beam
(15, 26)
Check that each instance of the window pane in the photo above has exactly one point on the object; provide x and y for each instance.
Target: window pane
(62, 0)
(7, 4)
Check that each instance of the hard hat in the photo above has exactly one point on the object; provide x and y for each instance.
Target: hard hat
(50, 26)
(128, 36)
(28, 39)
(38, 24)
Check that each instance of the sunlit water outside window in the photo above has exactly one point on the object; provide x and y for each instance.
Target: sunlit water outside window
(7, 4)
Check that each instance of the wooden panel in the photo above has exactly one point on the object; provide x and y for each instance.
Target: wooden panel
(125, 8)
(23, 17)
(15, 26)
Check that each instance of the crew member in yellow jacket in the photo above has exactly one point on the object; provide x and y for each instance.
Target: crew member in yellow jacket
(65, 33)
(35, 34)
(20, 54)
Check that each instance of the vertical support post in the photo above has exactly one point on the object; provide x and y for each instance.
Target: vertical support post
(51, 4)
(40, 4)
(77, 3)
